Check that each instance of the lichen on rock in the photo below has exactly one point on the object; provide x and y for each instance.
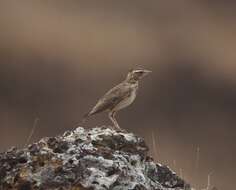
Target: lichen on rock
(84, 159)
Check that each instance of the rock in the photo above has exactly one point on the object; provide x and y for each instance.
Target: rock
(99, 159)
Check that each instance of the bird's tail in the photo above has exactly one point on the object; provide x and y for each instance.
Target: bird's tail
(83, 120)
(85, 117)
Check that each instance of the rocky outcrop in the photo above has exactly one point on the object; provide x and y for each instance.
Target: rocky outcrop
(99, 158)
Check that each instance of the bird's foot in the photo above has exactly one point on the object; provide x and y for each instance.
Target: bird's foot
(118, 129)
(111, 127)
(121, 130)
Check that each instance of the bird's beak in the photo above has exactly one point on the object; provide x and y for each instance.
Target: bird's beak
(146, 72)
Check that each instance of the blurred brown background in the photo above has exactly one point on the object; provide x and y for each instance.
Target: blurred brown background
(58, 57)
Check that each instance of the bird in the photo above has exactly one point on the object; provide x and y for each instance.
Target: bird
(119, 97)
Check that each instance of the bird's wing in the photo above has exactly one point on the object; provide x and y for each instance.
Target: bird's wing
(111, 98)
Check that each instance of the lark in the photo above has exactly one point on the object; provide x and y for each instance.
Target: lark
(120, 96)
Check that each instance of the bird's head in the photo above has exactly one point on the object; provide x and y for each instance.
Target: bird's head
(136, 74)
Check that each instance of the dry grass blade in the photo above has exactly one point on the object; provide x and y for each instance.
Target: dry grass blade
(154, 146)
(32, 132)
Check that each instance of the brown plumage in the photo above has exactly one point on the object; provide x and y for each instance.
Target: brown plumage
(120, 96)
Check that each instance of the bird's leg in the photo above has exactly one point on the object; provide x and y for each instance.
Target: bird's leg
(112, 118)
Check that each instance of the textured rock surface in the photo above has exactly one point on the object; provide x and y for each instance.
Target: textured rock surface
(99, 158)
